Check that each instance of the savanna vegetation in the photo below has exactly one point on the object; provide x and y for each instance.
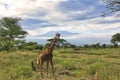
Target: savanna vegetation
(86, 62)
(69, 63)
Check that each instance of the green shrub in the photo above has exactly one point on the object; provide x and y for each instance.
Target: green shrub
(103, 71)
(26, 71)
(17, 65)
(68, 65)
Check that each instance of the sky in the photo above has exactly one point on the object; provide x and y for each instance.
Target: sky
(78, 21)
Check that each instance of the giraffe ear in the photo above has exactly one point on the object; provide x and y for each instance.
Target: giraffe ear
(57, 34)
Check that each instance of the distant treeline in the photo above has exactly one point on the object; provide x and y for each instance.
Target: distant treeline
(99, 46)
(12, 38)
(23, 45)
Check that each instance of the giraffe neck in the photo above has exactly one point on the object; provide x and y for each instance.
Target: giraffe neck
(52, 44)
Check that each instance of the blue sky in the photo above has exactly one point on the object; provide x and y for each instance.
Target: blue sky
(78, 21)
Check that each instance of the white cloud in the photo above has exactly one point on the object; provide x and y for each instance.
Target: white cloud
(32, 9)
(21, 8)
(84, 28)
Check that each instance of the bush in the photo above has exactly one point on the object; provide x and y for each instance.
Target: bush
(17, 72)
(103, 71)
(68, 65)
(26, 71)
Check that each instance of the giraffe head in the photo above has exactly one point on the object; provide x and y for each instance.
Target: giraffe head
(57, 36)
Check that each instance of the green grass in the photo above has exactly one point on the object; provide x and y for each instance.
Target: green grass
(70, 64)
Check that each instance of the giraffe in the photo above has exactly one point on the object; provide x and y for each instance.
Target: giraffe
(46, 56)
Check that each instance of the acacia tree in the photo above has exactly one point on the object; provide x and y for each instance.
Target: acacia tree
(113, 6)
(115, 38)
(10, 29)
(61, 43)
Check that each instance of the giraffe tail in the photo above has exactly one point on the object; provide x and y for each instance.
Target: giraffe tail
(33, 67)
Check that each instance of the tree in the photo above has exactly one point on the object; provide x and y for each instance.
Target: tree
(115, 38)
(104, 46)
(20, 44)
(10, 29)
(33, 46)
(113, 6)
(97, 45)
(86, 46)
(61, 43)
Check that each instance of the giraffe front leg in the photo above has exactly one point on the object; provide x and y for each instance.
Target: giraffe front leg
(52, 69)
(40, 67)
(47, 66)
(41, 72)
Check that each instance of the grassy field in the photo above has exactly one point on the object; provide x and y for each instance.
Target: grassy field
(70, 64)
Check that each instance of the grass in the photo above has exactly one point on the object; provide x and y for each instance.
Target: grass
(70, 64)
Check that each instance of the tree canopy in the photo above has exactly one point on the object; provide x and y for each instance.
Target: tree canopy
(10, 29)
(115, 38)
(113, 6)
(62, 43)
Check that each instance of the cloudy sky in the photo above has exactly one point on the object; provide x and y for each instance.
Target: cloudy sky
(78, 21)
